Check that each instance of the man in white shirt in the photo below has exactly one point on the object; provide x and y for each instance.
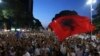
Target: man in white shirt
(37, 52)
(27, 54)
(63, 49)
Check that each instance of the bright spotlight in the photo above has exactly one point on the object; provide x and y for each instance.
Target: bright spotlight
(89, 2)
(0, 1)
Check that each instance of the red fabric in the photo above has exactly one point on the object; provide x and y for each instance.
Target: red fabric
(80, 24)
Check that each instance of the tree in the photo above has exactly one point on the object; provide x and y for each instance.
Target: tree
(20, 11)
(96, 17)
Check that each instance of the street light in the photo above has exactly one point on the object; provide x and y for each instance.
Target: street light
(90, 3)
(0, 1)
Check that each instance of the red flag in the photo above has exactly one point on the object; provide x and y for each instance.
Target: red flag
(66, 26)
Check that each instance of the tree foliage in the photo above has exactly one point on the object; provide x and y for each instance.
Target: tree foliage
(96, 17)
(20, 11)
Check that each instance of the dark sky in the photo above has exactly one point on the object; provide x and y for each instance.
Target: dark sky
(45, 10)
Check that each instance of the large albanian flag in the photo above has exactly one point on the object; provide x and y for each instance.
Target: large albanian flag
(65, 26)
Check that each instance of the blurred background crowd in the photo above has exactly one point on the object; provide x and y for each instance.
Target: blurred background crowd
(43, 44)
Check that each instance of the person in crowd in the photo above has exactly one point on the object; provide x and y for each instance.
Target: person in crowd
(39, 44)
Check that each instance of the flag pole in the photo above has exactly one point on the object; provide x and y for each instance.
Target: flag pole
(90, 3)
(91, 18)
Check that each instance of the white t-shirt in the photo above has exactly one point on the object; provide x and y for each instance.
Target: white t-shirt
(63, 49)
(27, 54)
(73, 54)
(37, 51)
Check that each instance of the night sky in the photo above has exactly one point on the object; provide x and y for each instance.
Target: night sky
(45, 10)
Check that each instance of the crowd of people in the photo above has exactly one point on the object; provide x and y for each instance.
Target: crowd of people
(39, 44)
